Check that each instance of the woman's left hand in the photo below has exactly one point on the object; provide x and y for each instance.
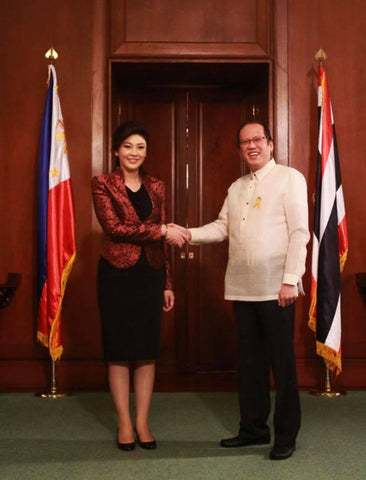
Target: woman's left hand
(168, 300)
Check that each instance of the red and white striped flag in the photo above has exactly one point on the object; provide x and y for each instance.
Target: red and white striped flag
(330, 239)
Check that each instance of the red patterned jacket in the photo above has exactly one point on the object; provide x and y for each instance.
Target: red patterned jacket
(124, 233)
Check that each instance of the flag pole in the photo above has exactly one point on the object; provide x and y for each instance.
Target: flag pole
(328, 391)
(53, 393)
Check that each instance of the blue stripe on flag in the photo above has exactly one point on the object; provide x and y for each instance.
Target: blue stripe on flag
(42, 202)
(329, 277)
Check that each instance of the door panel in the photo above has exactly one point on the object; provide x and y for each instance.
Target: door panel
(216, 115)
(157, 111)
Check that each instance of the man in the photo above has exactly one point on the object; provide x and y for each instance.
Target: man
(265, 218)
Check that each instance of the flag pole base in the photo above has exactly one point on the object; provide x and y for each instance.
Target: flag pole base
(331, 393)
(53, 393)
(327, 392)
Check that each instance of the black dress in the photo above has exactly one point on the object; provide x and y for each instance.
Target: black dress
(131, 301)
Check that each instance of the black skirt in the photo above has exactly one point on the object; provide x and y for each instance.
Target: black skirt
(130, 304)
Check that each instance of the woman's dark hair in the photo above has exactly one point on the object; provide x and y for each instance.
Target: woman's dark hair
(123, 131)
(252, 121)
(126, 129)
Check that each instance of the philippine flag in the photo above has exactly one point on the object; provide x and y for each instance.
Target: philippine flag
(55, 223)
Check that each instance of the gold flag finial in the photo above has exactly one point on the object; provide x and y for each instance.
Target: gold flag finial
(320, 55)
(51, 54)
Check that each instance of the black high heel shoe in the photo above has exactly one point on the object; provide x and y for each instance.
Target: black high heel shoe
(146, 445)
(127, 447)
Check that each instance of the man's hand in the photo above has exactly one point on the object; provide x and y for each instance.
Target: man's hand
(287, 295)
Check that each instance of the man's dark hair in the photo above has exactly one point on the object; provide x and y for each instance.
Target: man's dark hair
(252, 121)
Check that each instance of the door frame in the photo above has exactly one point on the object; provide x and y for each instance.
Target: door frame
(101, 84)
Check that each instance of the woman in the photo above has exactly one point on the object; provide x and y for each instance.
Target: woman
(134, 281)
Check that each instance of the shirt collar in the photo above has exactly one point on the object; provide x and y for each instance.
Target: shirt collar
(264, 171)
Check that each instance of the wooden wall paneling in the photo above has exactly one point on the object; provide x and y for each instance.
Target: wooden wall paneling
(95, 368)
(33, 375)
(280, 104)
(196, 28)
(299, 30)
(100, 88)
(23, 93)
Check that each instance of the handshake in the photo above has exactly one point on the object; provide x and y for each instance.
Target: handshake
(176, 235)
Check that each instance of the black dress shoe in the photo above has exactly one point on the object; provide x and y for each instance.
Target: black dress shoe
(128, 447)
(243, 441)
(281, 453)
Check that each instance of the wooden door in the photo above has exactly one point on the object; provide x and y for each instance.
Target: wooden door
(213, 161)
(193, 149)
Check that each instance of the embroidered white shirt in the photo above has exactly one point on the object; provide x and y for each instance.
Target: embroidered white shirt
(265, 218)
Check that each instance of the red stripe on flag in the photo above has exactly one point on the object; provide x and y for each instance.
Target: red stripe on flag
(60, 257)
(327, 133)
(343, 242)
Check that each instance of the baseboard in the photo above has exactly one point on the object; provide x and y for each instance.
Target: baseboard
(91, 375)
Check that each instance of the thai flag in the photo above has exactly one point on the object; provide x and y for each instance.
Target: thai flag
(330, 239)
(56, 226)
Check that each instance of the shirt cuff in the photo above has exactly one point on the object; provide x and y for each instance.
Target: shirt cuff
(290, 279)
(191, 231)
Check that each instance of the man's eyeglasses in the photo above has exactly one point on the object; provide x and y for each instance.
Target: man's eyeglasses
(255, 140)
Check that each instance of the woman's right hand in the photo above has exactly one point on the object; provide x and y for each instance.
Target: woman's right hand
(177, 235)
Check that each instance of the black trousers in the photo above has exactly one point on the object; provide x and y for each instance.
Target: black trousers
(265, 340)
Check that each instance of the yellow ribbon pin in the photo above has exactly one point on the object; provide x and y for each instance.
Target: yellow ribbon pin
(257, 202)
